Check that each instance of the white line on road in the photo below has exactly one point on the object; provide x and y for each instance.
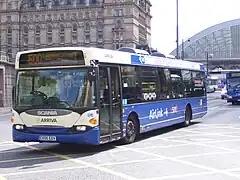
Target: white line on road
(214, 108)
(81, 162)
(180, 176)
(79, 167)
(182, 162)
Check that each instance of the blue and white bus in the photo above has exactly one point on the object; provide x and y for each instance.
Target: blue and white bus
(94, 96)
(233, 87)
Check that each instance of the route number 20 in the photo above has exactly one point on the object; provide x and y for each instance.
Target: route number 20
(34, 58)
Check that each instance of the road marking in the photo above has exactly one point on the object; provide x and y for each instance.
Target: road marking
(214, 108)
(199, 144)
(183, 162)
(180, 176)
(14, 151)
(27, 159)
(161, 146)
(87, 164)
(206, 154)
(79, 167)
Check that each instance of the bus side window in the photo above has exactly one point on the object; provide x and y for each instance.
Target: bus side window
(130, 84)
(165, 84)
(198, 89)
(176, 82)
(148, 78)
(187, 81)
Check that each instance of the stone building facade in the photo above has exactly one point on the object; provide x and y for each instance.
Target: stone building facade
(110, 24)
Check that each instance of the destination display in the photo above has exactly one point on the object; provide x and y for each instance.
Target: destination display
(235, 74)
(51, 58)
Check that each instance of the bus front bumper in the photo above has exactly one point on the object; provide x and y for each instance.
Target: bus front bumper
(90, 137)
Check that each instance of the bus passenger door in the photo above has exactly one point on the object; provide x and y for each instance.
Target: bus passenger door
(110, 104)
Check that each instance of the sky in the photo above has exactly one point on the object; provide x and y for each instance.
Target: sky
(194, 16)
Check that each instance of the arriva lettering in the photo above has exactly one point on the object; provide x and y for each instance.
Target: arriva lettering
(47, 113)
(49, 120)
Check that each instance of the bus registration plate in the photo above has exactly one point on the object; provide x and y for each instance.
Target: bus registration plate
(47, 138)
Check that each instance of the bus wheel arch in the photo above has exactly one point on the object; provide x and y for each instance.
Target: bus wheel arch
(132, 128)
(187, 115)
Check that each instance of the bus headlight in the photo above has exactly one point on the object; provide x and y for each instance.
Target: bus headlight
(19, 127)
(81, 128)
(230, 97)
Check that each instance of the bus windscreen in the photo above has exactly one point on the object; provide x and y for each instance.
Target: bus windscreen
(51, 58)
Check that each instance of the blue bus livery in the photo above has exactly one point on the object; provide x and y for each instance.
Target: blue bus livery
(94, 96)
(233, 87)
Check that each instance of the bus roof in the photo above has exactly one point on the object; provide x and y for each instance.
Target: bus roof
(119, 57)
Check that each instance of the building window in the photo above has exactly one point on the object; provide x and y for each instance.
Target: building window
(62, 34)
(62, 28)
(74, 38)
(49, 34)
(9, 36)
(9, 52)
(25, 36)
(87, 27)
(37, 35)
(74, 33)
(100, 27)
(37, 40)
(37, 30)
(9, 40)
(49, 39)
(119, 24)
(87, 38)
(9, 30)
(49, 29)
(74, 28)
(10, 5)
(25, 41)
(62, 39)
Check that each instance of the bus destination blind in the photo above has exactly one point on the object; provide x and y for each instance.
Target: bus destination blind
(51, 58)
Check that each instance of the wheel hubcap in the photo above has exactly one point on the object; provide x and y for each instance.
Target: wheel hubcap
(130, 129)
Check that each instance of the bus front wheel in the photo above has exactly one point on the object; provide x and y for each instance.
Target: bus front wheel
(131, 131)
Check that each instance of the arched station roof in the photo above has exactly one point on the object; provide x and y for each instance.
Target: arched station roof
(221, 40)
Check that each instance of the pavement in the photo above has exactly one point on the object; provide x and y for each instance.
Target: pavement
(209, 149)
(5, 110)
(215, 95)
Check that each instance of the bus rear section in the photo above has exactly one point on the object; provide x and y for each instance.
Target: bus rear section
(233, 87)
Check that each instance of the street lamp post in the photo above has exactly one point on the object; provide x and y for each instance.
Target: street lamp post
(182, 49)
(177, 31)
(207, 59)
(183, 52)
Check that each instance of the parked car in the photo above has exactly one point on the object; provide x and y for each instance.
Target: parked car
(210, 89)
(224, 93)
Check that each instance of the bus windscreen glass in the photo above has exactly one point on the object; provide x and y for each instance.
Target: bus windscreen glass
(51, 58)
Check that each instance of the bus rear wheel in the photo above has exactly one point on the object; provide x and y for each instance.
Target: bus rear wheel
(131, 131)
(188, 116)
